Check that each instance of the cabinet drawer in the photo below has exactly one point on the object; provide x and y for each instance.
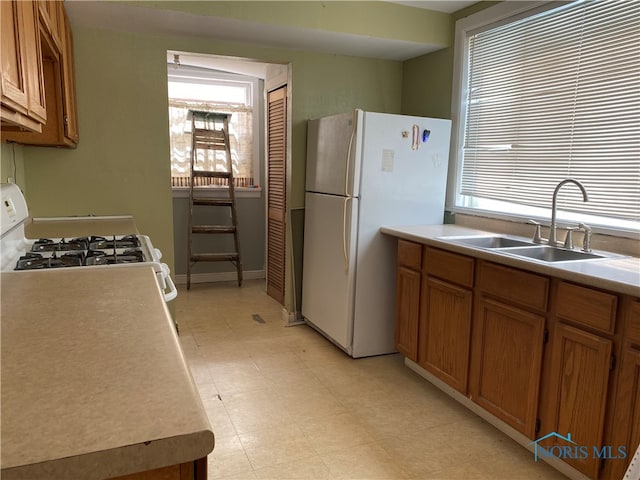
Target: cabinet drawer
(449, 266)
(520, 288)
(409, 255)
(586, 306)
(633, 320)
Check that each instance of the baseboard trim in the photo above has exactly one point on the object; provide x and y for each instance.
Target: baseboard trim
(219, 277)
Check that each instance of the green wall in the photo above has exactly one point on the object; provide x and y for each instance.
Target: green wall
(121, 165)
(427, 80)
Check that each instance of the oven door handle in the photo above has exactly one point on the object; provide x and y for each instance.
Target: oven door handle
(173, 291)
(166, 276)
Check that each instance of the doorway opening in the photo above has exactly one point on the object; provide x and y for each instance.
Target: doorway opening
(240, 87)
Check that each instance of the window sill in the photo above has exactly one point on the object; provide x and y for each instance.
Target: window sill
(217, 192)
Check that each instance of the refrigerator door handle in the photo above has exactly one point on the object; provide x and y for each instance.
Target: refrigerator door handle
(351, 138)
(345, 251)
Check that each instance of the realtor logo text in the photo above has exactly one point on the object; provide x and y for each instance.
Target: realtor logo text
(575, 451)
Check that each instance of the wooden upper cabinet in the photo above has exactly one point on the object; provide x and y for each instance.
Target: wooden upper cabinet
(55, 56)
(70, 113)
(51, 13)
(22, 84)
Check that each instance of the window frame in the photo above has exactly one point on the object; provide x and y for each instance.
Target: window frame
(501, 14)
(188, 74)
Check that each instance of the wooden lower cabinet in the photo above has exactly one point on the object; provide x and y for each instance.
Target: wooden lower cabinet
(625, 430)
(506, 360)
(196, 470)
(577, 394)
(407, 312)
(540, 354)
(408, 275)
(445, 331)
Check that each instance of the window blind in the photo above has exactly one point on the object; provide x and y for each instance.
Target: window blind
(553, 96)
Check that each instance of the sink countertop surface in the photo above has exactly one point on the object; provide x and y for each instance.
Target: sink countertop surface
(94, 382)
(66, 227)
(621, 274)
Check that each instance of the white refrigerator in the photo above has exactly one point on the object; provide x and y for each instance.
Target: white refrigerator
(365, 170)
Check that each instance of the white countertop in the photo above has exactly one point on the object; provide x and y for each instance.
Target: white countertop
(94, 383)
(621, 275)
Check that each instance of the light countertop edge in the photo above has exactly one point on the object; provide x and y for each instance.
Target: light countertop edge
(73, 406)
(620, 275)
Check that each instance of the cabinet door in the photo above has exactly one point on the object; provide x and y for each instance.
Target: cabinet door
(70, 111)
(506, 359)
(445, 331)
(626, 423)
(14, 77)
(407, 312)
(580, 363)
(21, 85)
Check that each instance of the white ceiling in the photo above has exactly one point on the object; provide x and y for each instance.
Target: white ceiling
(446, 6)
(121, 17)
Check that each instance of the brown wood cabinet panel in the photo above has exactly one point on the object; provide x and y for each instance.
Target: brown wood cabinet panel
(407, 312)
(409, 254)
(626, 411)
(21, 84)
(445, 331)
(633, 321)
(58, 82)
(579, 378)
(196, 470)
(50, 12)
(506, 359)
(522, 288)
(70, 109)
(586, 306)
(449, 266)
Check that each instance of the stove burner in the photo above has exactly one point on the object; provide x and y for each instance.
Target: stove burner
(48, 245)
(98, 257)
(35, 261)
(101, 243)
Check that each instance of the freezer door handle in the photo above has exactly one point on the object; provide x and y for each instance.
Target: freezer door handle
(354, 125)
(345, 247)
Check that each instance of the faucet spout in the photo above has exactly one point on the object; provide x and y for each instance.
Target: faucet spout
(552, 228)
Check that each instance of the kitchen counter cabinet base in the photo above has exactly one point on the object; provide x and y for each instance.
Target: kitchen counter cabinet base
(572, 339)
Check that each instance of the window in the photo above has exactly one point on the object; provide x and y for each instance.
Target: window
(547, 95)
(198, 89)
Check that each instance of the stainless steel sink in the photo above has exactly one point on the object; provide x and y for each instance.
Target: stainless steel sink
(552, 254)
(488, 241)
(525, 249)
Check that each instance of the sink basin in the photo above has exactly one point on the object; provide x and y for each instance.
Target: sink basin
(551, 254)
(488, 241)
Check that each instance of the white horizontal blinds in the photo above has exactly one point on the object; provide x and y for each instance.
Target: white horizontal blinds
(240, 142)
(553, 96)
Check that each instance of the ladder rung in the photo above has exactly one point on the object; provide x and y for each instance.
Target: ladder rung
(203, 173)
(213, 202)
(210, 146)
(213, 229)
(214, 257)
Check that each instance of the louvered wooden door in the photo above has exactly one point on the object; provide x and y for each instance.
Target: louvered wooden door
(276, 192)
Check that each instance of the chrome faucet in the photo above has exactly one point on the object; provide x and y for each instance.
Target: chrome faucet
(552, 228)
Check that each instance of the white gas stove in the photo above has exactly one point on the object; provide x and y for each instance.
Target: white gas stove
(18, 253)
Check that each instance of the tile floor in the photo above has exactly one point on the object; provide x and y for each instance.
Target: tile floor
(284, 403)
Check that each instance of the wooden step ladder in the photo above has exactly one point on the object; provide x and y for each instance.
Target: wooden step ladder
(210, 132)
